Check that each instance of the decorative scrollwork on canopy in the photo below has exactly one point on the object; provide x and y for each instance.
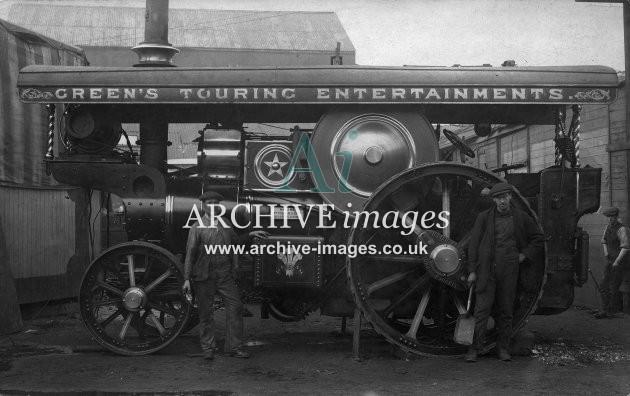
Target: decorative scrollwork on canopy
(32, 93)
(595, 94)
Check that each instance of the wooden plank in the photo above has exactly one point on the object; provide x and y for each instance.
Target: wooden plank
(618, 115)
(540, 133)
(596, 142)
(594, 113)
(48, 247)
(594, 123)
(619, 104)
(599, 133)
(618, 145)
(10, 315)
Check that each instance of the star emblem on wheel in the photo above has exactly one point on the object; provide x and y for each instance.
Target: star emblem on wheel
(275, 166)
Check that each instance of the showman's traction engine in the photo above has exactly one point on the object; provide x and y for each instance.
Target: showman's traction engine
(360, 138)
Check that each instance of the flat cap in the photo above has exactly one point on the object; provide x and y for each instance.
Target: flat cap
(609, 212)
(501, 188)
(208, 195)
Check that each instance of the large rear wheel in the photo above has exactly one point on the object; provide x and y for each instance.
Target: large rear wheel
(412, 297)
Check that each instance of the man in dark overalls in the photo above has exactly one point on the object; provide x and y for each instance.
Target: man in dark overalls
(213, 274)
(502, 238)
(616, 243)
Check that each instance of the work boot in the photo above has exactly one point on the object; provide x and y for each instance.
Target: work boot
(239, 353)
(471, 355)
(503, 355)
(600, 315)
(208, 355)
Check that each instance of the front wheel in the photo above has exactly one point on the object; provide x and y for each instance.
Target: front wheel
(131, 299)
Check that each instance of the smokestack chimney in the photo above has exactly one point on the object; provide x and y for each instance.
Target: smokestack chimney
(155, 50)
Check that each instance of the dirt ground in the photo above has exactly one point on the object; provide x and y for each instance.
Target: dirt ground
(573, 354)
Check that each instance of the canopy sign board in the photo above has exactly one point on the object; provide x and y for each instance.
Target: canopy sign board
(319, 85)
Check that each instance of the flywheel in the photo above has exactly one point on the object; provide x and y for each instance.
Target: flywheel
(414, 296)
(358, 150)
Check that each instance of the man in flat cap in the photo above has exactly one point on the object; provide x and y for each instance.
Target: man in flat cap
(215, 273)
(502, 238)
(616, 243)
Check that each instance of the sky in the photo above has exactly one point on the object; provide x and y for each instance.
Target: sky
(468, 32)
(447, 32)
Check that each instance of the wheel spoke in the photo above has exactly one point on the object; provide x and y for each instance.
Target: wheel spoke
(395, 259)
(446, 205)
(132, 275)
(157, 323)
(398, 205)
(110, 288)
(147, 270)
(417, 319)
(103, 303)
(442, 297)
(162, 308)
(368, 240)
(159, 280)
(422, 234)
(419, 283)
(389, 280)
(110, 318)
(140, 324)
(123, 331)
(409, 223)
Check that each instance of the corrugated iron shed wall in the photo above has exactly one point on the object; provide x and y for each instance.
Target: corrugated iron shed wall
(45, 224)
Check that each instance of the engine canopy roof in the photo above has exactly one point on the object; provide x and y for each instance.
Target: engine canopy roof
(455, 94)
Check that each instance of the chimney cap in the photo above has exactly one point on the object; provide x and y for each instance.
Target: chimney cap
(155, 54)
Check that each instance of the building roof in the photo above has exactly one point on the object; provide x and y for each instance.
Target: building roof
(190, 28)
(33, 37)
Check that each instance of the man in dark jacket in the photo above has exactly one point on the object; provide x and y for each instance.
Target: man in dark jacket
(502, 238)
(215, 274)
(616, 244)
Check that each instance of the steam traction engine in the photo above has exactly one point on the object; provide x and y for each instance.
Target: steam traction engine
(373, 148)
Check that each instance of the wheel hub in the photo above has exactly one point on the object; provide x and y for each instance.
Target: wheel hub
(134, 299)
(373, 155)
(446, 259)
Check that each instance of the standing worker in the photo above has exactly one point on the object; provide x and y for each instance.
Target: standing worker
(212, 273)
(502, 238)
(616, 243)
